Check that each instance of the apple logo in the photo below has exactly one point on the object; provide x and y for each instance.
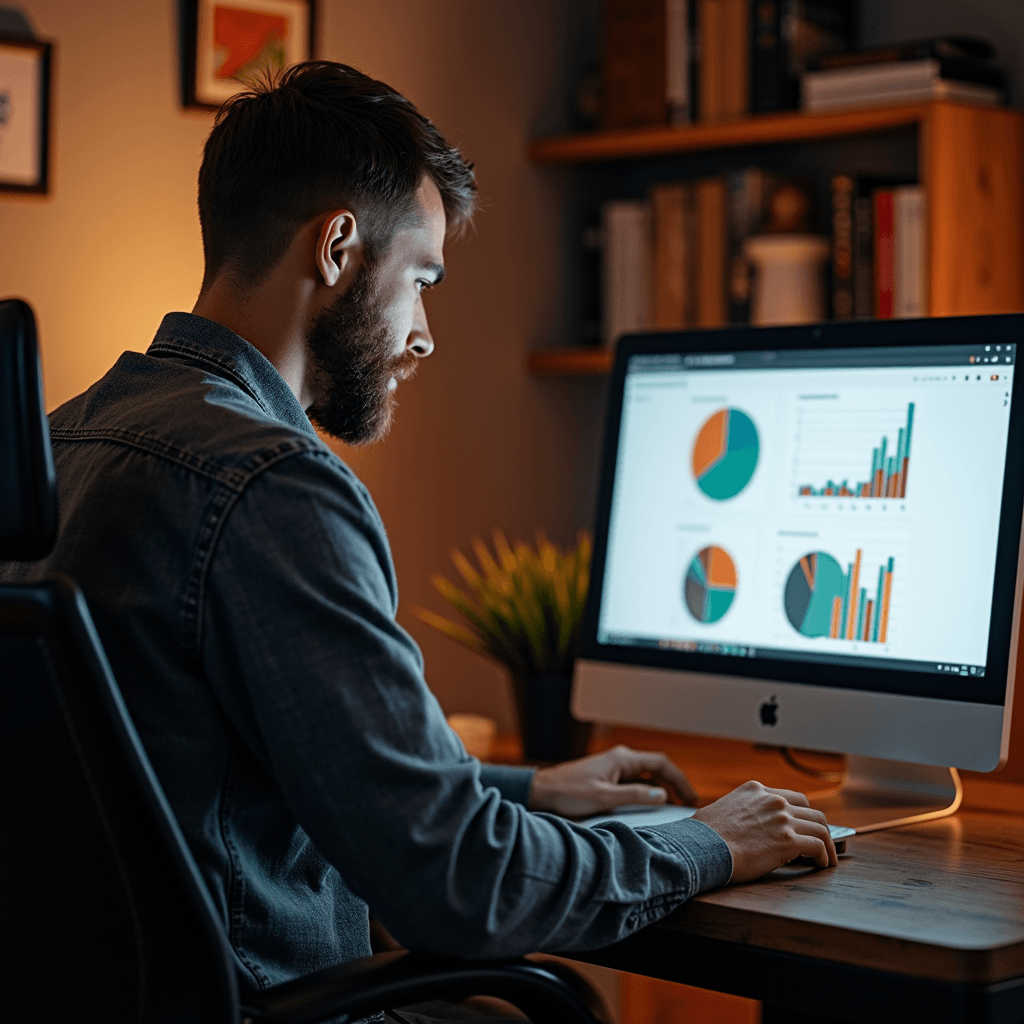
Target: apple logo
(770, 711)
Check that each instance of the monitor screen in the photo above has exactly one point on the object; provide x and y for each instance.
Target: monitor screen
(837, 505)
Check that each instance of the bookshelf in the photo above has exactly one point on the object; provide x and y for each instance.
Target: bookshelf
(970, 161)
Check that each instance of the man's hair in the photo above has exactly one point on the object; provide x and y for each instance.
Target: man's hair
(319, 137)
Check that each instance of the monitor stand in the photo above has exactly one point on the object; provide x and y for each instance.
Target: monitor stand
(877, 794)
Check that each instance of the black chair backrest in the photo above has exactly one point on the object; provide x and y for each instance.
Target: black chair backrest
(28, 508)
(103, 915)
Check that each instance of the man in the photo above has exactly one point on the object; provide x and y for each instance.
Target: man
(240, 579)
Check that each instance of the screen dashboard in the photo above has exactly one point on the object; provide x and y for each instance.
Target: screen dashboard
(844, 514)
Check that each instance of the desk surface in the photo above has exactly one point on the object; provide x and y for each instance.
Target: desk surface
(941, 901)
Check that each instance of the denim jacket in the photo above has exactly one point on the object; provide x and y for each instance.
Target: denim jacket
(241, 582)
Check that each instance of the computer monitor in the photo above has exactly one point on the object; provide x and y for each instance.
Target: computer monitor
(811, 537)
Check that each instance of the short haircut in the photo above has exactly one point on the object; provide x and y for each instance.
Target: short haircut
(321, 136)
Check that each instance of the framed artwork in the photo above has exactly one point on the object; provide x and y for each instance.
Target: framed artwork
(24, 115)
(229, 41)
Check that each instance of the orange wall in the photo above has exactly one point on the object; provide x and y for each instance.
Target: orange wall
(117, 244)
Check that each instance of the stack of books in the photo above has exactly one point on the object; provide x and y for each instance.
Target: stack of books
(944, 68)
(674, 260)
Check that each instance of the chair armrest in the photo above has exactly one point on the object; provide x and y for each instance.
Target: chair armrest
(387, 980)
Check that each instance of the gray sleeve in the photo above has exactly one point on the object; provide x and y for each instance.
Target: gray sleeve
(512, 782)
(329, 692)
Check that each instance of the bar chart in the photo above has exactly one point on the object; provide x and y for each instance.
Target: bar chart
(824, 600)
(887, 476)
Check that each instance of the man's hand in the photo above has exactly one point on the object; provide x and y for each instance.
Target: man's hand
(766, 828)
(595, 784)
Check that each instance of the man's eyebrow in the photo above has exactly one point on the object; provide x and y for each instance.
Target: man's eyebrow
(437, 269)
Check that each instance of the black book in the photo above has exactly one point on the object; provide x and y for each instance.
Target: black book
(786, 36)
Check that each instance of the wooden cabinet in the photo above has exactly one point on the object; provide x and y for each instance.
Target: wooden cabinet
(970, 159)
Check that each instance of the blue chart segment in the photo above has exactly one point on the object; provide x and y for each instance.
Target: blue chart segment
(725, 454)
(814, 583)
(710, 584)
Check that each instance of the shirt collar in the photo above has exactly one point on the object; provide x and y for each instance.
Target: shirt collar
(195, 339)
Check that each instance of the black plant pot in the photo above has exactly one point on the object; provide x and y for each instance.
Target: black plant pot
(548, 730)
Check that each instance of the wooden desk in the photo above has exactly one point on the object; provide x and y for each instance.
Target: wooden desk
(919, 924)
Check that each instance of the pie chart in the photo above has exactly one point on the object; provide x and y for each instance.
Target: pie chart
(725, 454)
(813, 585)
(710, 584)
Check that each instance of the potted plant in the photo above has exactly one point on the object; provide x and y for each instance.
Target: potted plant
(524, 609)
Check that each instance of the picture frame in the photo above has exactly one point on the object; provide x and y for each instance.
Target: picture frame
(228, 41)
(25, 66)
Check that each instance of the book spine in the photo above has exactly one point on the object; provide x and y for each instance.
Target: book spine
(677, 62)
(724, 66)
(910, 259)
(863, 264)
(885, 256)
(712, 228)
(626, 267)
(668, 272)
(842, 247)
(767, 56)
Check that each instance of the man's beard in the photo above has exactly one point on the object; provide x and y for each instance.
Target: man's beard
(352, 349)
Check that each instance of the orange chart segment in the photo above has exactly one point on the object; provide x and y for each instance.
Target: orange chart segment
(709, 447)
(721, 569)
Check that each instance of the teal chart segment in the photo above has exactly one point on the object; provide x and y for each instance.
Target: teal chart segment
(725, 454)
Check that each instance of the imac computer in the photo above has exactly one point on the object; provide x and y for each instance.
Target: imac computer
(811, 537)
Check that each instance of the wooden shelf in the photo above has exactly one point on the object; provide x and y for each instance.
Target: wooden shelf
(569, 362)
(792, 126)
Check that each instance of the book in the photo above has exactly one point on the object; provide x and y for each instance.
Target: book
(678, 48)
(954, 48)
(625, 272)
(842, 247)
(723, 68)
(910, 257)
(647, 55)
(672, 221)
(785, 37)
(882, 201)
(904, 82)
(863, 256)
(710, 254)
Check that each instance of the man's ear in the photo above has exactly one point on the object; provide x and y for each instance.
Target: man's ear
(337, 248)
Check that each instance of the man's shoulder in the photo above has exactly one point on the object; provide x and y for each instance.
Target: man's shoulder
(190, 414)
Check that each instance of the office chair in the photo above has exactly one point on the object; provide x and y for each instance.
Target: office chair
(103, 913)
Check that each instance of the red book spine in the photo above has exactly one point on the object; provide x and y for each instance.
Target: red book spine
(885, 254)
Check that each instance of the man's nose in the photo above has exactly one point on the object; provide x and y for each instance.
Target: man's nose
(420, 340)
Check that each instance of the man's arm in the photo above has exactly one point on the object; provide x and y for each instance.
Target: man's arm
(328, 692)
